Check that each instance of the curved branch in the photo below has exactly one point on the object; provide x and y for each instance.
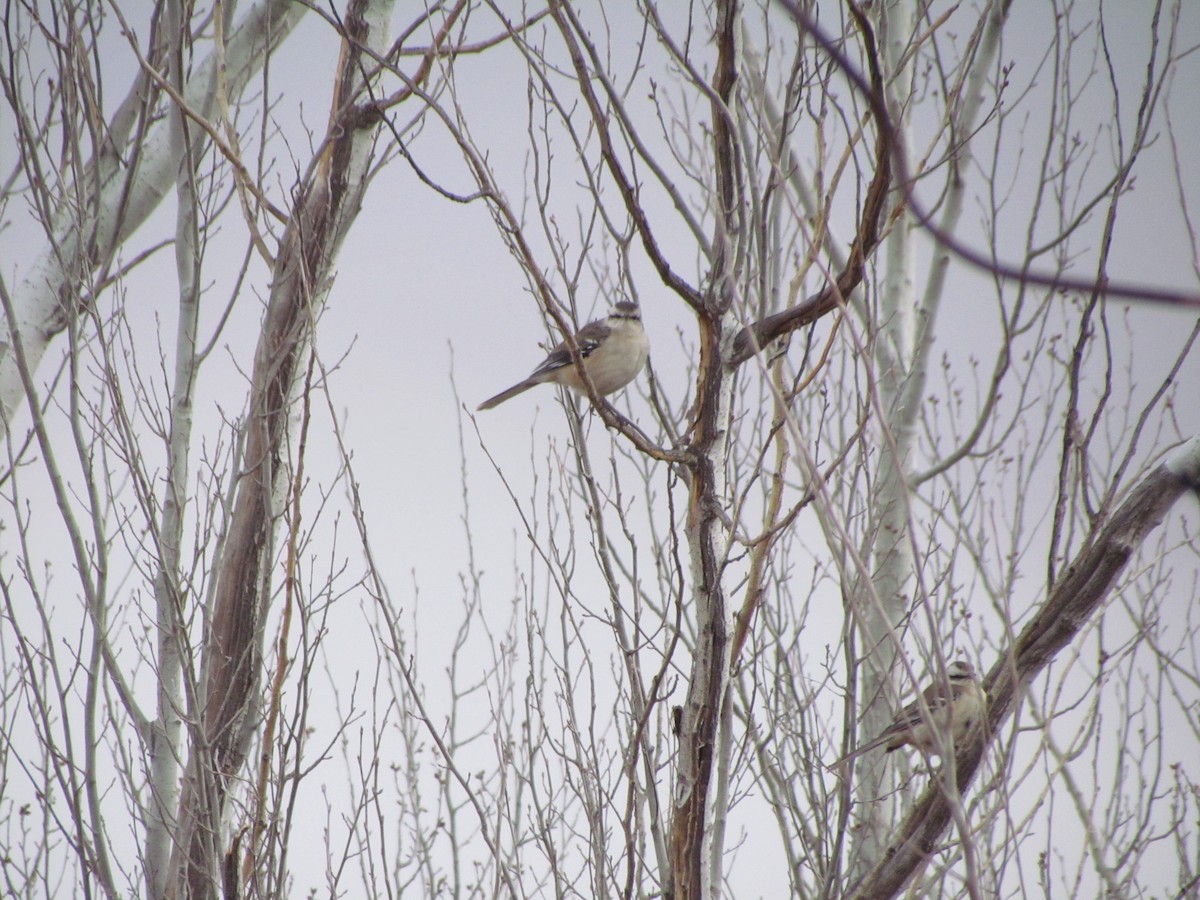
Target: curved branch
(629, 193)
(754, 337)
(984, 261)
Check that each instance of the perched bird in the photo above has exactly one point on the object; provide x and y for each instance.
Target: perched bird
(613, 350)
(954, 703)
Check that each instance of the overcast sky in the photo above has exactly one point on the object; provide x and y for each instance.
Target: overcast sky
(426, 292)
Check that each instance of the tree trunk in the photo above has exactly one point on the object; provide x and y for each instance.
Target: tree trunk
(325, 208)
(109, 207)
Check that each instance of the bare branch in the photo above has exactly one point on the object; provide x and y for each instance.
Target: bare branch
(1074, 599)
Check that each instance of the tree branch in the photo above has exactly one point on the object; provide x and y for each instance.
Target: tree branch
(1079, 593)
(754, 337)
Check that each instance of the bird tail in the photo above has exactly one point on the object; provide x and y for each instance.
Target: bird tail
(860, 750)
(507, 395)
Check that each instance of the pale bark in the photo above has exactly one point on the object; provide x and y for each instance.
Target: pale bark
(105, 208)
(186, 144)
(1078, 594)
(326, 207)
(905, 335)
(883, 596)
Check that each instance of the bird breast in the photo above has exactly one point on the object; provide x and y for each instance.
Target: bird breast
(616, 362)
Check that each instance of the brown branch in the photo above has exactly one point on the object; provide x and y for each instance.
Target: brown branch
(427, 59)
(629, 193)
(761, 544)
(228, 713)
(478, 46)
(698, 795)
(754, 337)
(1076, 597)
(985, 261)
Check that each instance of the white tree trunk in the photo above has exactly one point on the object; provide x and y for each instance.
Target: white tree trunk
(901, 360)
(91, 227)
(187, 144)
(884, 602)
(327, 204)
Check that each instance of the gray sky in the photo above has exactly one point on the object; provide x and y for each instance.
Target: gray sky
(425, 291)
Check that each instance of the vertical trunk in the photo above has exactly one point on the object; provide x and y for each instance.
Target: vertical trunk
(325, 208)
(699, 733)
(163, 799)
(901, 352)
(882, 605)
(696, 853)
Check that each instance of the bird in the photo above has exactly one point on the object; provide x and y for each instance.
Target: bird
(955, 704)
(614, 349)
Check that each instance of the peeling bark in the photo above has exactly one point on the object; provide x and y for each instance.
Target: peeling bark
(324, 210)
(1074, 599)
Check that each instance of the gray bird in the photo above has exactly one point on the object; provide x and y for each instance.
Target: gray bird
(614, 349)
(954, 703)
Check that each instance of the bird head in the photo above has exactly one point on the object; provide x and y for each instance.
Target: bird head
(960, 670)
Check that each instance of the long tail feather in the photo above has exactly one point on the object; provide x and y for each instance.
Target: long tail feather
(860, 750)
(507, 395)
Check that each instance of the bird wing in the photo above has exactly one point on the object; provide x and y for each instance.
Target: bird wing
(909, 719)
(936, 698)
(590, 337)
